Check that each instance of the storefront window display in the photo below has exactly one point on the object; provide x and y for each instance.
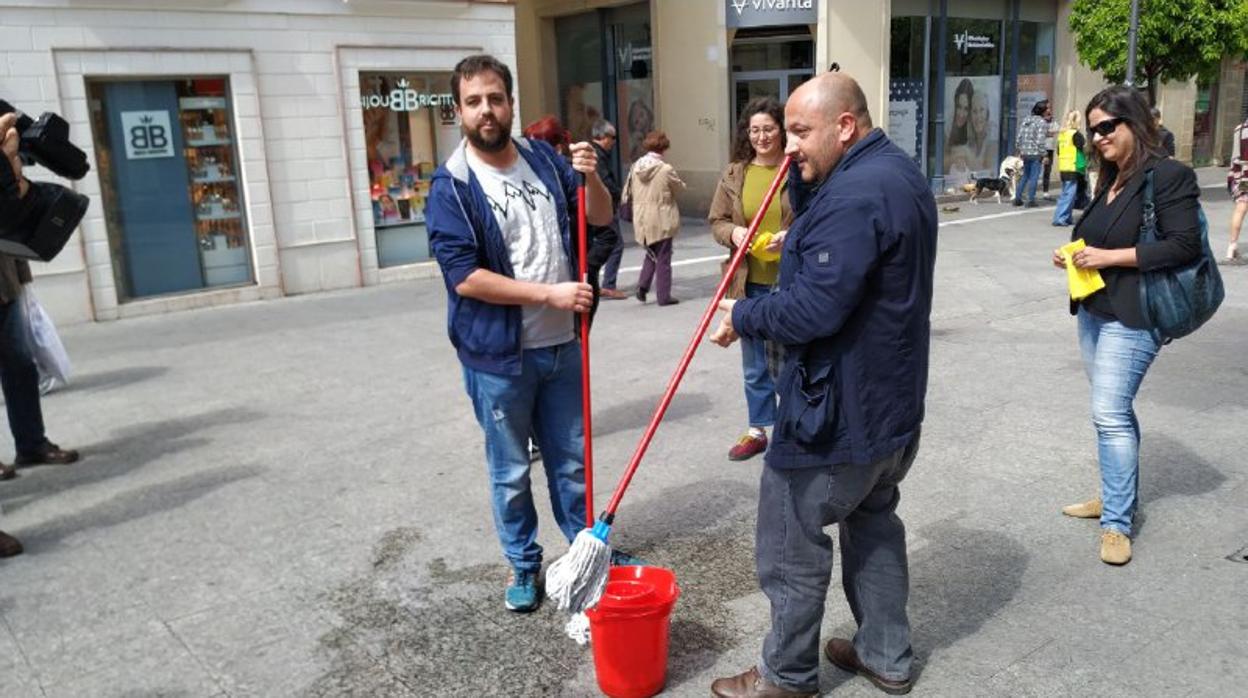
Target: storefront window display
(906, 84)
(1035, 66)
(170, 184)
(972, 99)
(409, 128)
(604, 65)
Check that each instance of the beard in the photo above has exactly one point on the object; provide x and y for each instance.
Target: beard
(489, 145)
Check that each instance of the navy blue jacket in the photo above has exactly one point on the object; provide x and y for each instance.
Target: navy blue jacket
(852, 309)
(464, 236)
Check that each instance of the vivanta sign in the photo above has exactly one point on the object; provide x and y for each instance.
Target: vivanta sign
(765, 13)
(404, 98)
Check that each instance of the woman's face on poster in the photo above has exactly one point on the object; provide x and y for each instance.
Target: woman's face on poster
(961, 108)
(979, 114)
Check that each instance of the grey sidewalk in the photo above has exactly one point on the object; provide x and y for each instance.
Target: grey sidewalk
(287, 498)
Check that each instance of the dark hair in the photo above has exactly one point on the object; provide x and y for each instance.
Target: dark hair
(1039, 108)
(961, 135)
(1128, 104)
(742, 149)
(472, 66)
(547, 129)
(656, 142)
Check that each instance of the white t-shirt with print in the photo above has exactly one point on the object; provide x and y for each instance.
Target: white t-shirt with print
(525, 211)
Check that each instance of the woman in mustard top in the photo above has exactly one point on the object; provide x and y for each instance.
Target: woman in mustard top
(757, 155)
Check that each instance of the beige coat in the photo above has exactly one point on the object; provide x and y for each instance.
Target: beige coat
(727, 212)
(651, 187)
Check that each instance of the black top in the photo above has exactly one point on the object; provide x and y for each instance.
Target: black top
(1117, 225)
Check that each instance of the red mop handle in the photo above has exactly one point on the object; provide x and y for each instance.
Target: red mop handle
(694, 342)
(586, 412)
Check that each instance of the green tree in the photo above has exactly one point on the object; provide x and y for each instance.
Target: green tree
(1177, 39)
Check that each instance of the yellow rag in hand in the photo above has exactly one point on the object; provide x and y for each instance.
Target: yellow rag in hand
(1083, 282)
(758, 248)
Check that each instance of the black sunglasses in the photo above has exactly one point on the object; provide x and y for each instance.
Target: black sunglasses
(1106, 127)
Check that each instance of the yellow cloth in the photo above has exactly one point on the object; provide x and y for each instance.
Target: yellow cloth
(759, 251)
(762, 269)
(1083, 282)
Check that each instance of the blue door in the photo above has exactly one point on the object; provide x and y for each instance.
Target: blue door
(153, 190)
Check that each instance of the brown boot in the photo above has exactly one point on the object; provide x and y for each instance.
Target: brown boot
(48, 454)
(751, 684)
(1090, 509)
(842, 653)
(1115, 548)
(9, 546)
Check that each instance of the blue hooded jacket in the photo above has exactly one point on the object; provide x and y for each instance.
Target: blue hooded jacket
(853, 311)
(464, 236)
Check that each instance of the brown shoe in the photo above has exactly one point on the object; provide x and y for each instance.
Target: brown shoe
(1090, 509)
(1115, 548)
(612, 294)
(9, 546)
(751, 684)
(48, 454)
(7, 472)
(841, 653)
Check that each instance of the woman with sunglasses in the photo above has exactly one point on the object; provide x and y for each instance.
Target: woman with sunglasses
(1116, 346)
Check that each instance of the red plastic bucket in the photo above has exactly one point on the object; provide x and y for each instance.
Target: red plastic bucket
(629, 631)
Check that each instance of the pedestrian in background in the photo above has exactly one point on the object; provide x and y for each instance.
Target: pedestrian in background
(652, 187)
(853, 307)
(1071, 165)
(1167, 138)
(604, 139)
(758, 151)
(1116, 345)
(1030, 146)
(1237, 180)
(1050, 144)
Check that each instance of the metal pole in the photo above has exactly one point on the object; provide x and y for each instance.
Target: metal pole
(1135, 28)
(938, 177)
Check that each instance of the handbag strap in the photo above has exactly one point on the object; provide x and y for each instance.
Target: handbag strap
(1148, 228)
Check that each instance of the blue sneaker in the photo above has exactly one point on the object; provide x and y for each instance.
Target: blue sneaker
(522, 594)
(619, 557)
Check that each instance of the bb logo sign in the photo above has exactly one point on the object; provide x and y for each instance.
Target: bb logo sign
(148, 134)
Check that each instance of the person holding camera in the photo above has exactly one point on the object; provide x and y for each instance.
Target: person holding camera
(19, 378)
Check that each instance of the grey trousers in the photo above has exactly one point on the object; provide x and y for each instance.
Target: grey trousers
(795, 557)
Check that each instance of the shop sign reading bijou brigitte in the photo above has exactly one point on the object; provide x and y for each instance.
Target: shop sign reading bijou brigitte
(765, 13)
(403, 98)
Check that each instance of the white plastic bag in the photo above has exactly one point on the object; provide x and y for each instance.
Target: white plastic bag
(45, 344)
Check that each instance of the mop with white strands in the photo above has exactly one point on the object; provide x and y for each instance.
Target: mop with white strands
(576, 581)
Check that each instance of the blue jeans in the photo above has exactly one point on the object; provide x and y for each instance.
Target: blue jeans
(19, 378)
(794, 555)
(1116, 357)
(1064, 214)
(1032, 165)
(760, 389)
(611, 268)
(545, 399)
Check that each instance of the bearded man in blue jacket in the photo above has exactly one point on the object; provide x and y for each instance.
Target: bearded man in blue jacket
(498, 217)
(852, 310)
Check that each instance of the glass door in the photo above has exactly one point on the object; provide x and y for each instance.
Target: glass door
(778, 84)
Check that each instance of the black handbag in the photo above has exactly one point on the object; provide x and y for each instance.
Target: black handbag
(1177, 300)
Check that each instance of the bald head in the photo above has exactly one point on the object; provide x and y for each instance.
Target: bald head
(824, 118)
(834, 94)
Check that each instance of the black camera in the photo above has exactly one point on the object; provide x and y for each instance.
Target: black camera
(38, 225)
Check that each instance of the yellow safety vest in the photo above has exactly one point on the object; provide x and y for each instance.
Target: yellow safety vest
(1066, 151)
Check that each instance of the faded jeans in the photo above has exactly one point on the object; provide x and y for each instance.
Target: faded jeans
(1031, 177)
(1116, 357)
(545, 400)
(794, 556)
(760, 388)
